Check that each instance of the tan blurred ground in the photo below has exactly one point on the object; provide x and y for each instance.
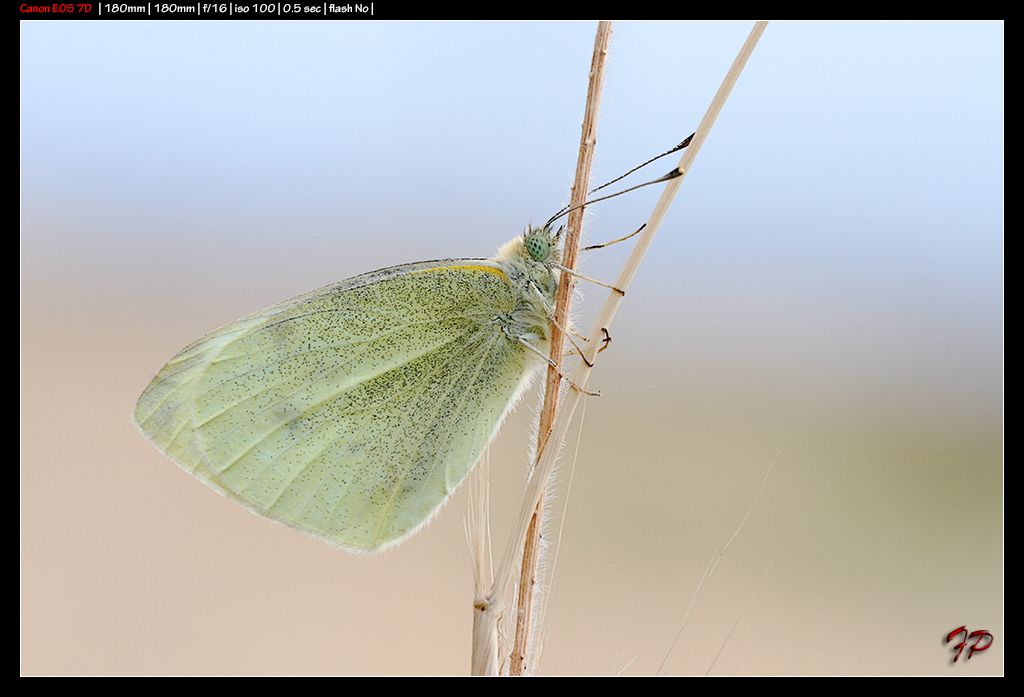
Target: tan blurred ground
(882, 521)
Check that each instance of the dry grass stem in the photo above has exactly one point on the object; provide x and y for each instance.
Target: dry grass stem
(546, 458)
(552, 438)
(548, 583)
(484, 658)
(528, 589)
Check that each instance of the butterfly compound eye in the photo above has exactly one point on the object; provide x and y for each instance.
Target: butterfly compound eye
(538, 246)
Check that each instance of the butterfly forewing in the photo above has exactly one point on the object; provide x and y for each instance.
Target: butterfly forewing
(350, 412)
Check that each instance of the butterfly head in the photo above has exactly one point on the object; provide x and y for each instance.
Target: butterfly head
(541, 244)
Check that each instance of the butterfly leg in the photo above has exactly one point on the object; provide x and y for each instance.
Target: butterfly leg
(566, 332)
(577, 274)
(554, 365)
(604, 343)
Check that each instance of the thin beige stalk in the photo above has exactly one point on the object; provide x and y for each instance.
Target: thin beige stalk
(485, 638)
(484, 659)
(528, 590)
(716, 557)
(546, 457)
(753, 594)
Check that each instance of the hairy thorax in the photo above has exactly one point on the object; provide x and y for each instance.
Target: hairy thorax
(535, 287)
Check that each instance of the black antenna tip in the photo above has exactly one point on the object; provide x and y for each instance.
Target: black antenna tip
(677, 172)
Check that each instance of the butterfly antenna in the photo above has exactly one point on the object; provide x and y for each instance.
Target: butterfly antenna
(677, 172)
(677, 148)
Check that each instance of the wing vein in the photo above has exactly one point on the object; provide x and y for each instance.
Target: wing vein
(484, 352)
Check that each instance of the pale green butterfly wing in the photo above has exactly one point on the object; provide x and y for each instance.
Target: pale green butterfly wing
(351, 412)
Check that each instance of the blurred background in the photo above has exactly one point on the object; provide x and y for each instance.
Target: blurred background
(827, 294)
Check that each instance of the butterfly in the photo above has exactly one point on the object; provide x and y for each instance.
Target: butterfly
(353, 412)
